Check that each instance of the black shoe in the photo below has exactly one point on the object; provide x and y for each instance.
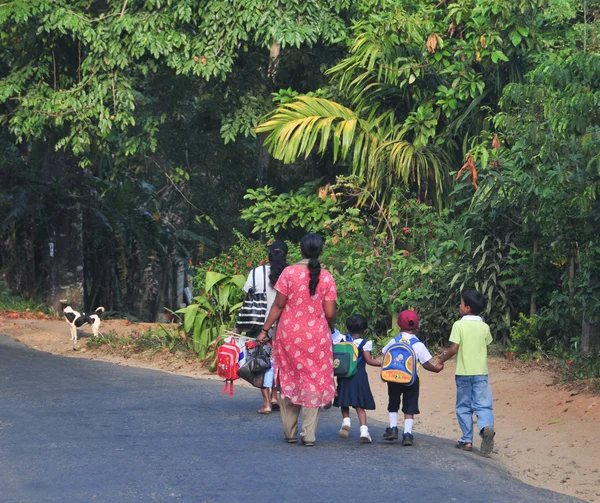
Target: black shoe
(487, 442)
(407, 439)
(391, 434)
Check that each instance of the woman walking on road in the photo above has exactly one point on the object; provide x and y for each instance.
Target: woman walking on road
(262, 279)
(305, 308)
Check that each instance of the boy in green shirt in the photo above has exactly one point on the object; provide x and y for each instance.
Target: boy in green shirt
(470, 337)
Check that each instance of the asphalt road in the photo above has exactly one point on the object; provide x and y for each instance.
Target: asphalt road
(74, 430)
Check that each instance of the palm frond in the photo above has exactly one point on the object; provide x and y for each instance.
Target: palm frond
(379, 153)
(294, 129)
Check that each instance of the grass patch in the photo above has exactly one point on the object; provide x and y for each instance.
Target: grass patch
(11, 302)
(152, 341)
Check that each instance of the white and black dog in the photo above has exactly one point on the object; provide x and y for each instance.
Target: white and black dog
(77, 320)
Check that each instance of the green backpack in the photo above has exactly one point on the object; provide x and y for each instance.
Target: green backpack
(346, 357)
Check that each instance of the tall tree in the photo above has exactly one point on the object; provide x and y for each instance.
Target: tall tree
(416, 90)
(96, 84)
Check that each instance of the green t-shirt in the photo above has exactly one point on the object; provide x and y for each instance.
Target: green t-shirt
(472, 336)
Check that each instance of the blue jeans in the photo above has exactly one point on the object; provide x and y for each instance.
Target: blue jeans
(473, 396)
(268, 378)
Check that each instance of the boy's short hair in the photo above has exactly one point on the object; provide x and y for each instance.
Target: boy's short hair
(356, 324)
(475, 300)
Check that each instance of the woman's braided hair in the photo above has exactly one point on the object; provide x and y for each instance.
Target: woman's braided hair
(311, 247)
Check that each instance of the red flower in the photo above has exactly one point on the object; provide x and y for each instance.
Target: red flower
(569, 362)
(407, 205)
(326, 226)
(249, 264)
(419, 200)
(190, 261)
(349, 289)
(406, 253)
(374, 308)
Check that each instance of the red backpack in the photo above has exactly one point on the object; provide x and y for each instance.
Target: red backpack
(228, 356)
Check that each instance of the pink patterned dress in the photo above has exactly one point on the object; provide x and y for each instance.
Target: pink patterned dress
(302, 352)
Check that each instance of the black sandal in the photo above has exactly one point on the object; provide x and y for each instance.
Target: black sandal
(275, 406)
(463, 446)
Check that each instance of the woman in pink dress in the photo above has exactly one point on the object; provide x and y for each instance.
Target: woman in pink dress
(302, 350)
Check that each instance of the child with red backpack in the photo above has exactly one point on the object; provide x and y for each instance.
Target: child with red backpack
(401, 359)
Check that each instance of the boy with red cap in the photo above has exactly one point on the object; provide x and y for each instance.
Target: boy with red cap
(408, 321)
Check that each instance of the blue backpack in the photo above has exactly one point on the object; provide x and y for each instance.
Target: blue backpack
(400, 362)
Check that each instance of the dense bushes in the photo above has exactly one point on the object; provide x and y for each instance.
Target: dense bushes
(417, 259)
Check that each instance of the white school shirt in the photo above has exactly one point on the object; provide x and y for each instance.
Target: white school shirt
(423, 355)
(338, 337)
(260, 283)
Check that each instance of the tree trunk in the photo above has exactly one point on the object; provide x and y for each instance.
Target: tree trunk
(262, 174)
(274, 59)
(533, 301)
(590, 339)
(571, 276)
(65, 259)
(64, 250)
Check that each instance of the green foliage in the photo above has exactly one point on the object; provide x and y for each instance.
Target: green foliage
(577, 367)
(143, 96)
(11, 302)
(422, 261)
(418, 84)
(94, 99)
(296, 209)
(159, 102)
(526, 336)
(212, 311)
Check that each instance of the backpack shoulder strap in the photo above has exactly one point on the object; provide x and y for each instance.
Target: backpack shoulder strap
(264, 279)
(413, 340)
(410, 340)
(254, 279)
(361, 350)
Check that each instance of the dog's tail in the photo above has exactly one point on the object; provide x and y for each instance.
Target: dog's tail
(99, 311)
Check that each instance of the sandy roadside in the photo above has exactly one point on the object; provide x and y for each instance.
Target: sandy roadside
(546, 435)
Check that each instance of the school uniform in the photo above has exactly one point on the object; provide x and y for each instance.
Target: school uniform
(355, 391)
(408, 395)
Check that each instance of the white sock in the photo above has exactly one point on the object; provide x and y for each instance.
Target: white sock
(393, 419)
(408, 424)
(364, 427)
(346, 420)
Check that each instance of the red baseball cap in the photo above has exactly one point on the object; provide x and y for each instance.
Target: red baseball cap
(408, 320)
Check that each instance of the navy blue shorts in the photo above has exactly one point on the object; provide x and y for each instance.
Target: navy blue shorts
(409, 394)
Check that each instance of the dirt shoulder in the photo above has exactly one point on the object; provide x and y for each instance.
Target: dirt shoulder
(547, 435)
